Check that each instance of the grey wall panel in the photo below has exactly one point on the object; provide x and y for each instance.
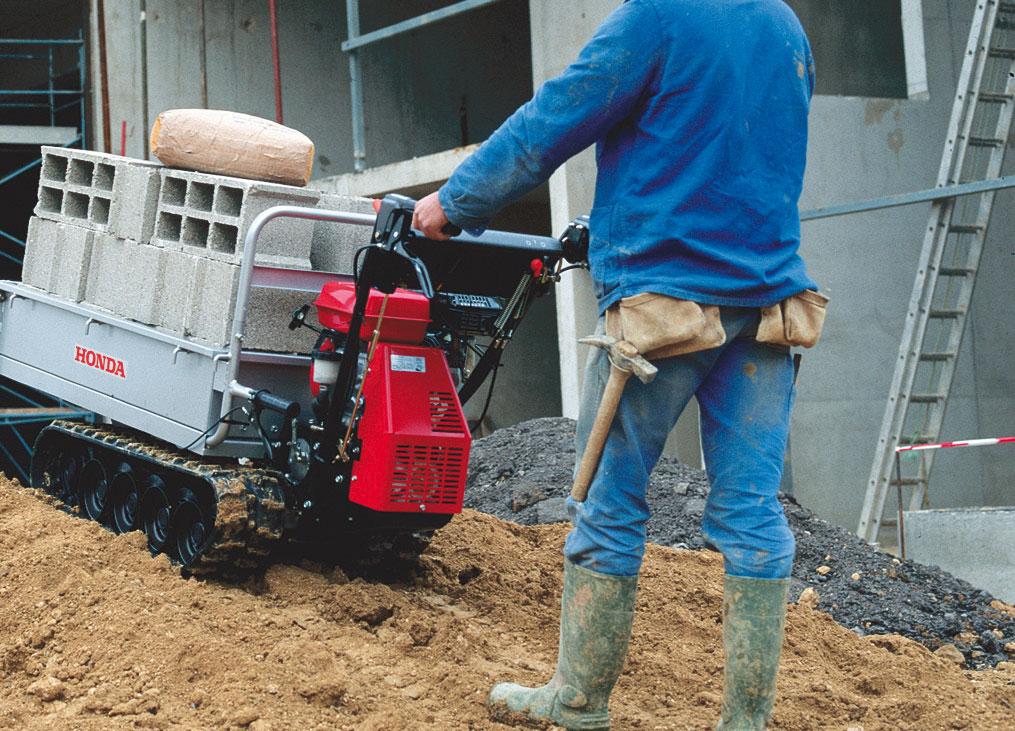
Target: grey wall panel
(418, 85)
(175, 66)
(863, 148)
(123, 53)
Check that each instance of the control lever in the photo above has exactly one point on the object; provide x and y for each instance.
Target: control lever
(575, 241)
(394, 220)
(299, 319)
(420, 268)
(394, 228)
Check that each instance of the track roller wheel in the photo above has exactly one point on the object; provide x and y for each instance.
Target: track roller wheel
(124, 500)
(212, 517)
(94, 489)
(65, 483)
(155, 512)
(190, 529)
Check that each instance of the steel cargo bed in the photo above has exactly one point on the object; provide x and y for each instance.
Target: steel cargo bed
(157, 382)
(140, 376)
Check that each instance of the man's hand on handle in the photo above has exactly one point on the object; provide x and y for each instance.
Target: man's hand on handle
(429, 219)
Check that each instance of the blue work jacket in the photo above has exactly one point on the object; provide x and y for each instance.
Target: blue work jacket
(698, 109)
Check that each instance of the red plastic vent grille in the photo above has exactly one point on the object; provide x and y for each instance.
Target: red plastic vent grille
(444, 413)
(431, 475)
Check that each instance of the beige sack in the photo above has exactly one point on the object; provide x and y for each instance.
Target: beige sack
(797, 320)
(660, 326)
(230, 143)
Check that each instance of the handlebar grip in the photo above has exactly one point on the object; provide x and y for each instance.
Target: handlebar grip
(267, 400)
(451, 229)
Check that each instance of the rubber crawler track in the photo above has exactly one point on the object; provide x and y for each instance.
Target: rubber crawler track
(249, 501)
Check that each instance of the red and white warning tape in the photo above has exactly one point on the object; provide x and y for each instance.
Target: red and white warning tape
(964, 443)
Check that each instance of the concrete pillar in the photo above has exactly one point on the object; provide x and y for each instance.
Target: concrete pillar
(570, 195)
(559, 30)
(123, 55)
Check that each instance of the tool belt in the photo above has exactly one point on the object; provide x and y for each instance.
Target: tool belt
(660, 326)
(797, 320)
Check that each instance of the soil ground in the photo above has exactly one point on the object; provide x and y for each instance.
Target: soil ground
(95, 634)
(522, 473)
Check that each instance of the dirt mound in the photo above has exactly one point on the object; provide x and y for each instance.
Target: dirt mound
(522, 473)
(95, 634)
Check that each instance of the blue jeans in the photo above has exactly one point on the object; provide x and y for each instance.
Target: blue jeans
(745, 393)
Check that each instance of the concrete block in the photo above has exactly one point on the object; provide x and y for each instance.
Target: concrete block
(40, 253)
(975, 544)
(209, 215)
(213, 296)
(107, 284)
(107, 193)
(196, 296)
(135, 202)
(175, 290)
(334, 244)
(57, 258)
(73, 260)
(144, 267)
(126, 278)
(268, 315)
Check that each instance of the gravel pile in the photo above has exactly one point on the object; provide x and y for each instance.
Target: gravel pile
(523, 474)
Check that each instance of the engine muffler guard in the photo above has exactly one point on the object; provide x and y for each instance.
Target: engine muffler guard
(415, 440)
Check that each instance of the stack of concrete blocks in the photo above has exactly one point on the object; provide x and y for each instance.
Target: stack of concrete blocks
(85, 200)
(201, 225)
(163, 247)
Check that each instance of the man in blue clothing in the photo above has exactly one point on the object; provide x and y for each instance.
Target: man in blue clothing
(698, 109)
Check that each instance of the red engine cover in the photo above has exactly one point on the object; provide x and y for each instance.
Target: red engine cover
(405, 317)
(415, 440)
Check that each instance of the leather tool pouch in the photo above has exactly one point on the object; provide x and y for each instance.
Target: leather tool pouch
(797, 320)
(661, 327)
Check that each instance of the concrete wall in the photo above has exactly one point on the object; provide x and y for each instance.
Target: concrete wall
(417, 87)
(865, 148)
(977, 545)
(231, 59)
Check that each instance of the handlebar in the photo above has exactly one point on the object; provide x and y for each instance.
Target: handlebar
(267, 400)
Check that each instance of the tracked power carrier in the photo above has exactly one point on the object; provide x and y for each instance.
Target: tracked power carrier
(218, 453)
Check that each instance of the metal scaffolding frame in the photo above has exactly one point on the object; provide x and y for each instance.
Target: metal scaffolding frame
(32, 408)
(33, 412)
(50, 99)
(356, 41)
(908, 199)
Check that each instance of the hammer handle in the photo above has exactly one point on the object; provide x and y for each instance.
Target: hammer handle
(600, 430)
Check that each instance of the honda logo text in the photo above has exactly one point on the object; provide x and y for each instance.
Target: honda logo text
(105, 363)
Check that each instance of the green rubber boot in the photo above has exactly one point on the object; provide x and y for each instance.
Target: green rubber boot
(595, 627)
(753, 620)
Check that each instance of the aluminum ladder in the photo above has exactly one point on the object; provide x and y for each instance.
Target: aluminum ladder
(978, 132)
